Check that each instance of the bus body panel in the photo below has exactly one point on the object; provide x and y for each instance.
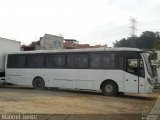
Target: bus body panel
(131, 83)
(66, 78)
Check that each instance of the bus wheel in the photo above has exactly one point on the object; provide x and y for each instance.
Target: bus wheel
(110, 89)
(38, 83)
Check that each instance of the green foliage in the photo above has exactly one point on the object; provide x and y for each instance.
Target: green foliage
(34, 44)
(147, 40)
(157, 45)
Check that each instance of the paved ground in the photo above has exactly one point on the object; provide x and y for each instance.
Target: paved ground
(156, 108)
(72, 105)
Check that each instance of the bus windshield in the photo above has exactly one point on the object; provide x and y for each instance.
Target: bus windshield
(148, 63)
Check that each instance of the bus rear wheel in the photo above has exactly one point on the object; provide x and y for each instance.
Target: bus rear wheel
(38, 83)
(109, 89)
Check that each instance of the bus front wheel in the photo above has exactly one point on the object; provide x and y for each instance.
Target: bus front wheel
(38, 83)
(109, 89)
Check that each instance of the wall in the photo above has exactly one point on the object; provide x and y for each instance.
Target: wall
(6, 46)
(50, 42)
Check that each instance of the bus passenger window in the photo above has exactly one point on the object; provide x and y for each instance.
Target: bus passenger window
(55, 61)
(96, 60)
(120, 63)
(108, 60)
(77, 61)
(82, 61)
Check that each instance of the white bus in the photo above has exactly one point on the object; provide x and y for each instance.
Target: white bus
(109, 70)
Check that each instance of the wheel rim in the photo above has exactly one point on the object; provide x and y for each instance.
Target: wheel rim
(109, 88)
(38, 84)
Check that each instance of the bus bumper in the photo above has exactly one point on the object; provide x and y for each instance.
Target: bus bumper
(149, 88)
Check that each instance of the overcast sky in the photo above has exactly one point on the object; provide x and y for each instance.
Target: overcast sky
(88, 21)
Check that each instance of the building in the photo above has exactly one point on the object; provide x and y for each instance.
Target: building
(81, 46)
(70, 44)
(50, 42)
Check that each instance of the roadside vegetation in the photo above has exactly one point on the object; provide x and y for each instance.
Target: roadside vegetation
(147, 40)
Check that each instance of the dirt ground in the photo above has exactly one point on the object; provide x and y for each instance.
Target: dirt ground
(27, 100)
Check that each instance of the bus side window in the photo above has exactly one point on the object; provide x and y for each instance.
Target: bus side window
(35, 61)
(121, 63)
(16, 61)
(77, 61)
(82, 61)
(72, 61)
(108, 61)
(59, 61)
(55, 61)
(132, 66)
(96, 60)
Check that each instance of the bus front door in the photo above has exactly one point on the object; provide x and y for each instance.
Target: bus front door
(131, 79)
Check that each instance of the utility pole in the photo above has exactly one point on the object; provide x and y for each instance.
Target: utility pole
(133, 26)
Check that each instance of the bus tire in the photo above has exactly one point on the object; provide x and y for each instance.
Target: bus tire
(110, 88)
(38, 83)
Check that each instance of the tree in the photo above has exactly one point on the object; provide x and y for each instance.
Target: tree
(147, 40)
(34, 44)
(121, 43)
(157, 45)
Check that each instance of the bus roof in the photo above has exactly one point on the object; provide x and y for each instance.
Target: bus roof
(79, 50)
